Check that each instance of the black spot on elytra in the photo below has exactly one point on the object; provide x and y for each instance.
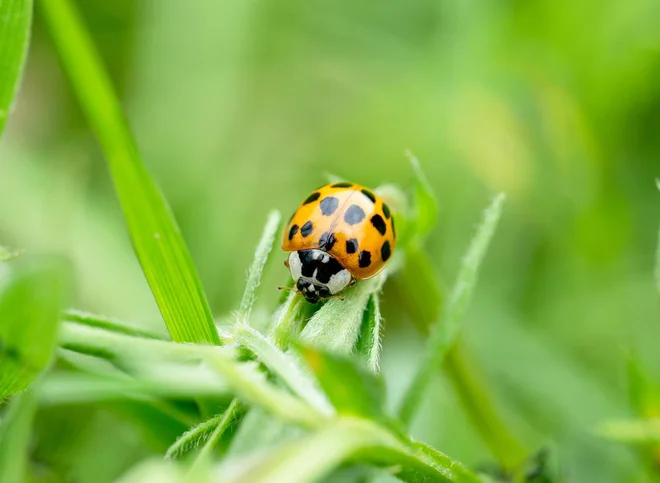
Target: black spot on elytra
(343, 184)
(351, 245)
(364, 259)
(327, 241)
(385, 251)
(354, 215)
(328, 205)
(386, 211)
(369, 195)
(393, 229)
(312, 198)
(293, 231)
(378, 223)
(306, 228)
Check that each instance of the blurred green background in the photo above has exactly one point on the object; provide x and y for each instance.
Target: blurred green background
(240, 107)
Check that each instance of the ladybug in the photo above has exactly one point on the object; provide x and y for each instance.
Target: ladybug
(342, 232)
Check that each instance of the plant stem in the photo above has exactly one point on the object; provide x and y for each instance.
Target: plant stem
(476, 403)
(444, 333)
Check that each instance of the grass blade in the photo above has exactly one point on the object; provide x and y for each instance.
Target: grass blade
(260, 258)
(15, 22)
(15, 437)
(158, 243)
(443, 335)
(30, 302)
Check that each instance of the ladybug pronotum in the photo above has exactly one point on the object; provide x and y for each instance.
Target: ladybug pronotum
(341, 232)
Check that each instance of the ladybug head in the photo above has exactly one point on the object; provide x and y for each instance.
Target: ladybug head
(313, 293)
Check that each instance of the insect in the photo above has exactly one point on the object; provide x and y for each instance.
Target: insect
(340, 233)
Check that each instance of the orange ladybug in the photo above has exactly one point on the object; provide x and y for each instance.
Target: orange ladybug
(341, 232)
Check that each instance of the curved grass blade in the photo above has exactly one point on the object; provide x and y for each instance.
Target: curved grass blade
(444, 334)
(15, 22)
(158, 243)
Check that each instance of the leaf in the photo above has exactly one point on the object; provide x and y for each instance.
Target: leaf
(158, 243)
(31, 297)
(425, 203)
(285, 366)
(312, 457)
(336, 326)
(207, 432)
(93, 320)
(350, 387)
(15, 431)
(260, 258)
(641, 431)
(165, 380)
(444, 334)
(15, 22)
(369, 344)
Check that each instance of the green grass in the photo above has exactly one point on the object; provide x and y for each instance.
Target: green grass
(286, 391)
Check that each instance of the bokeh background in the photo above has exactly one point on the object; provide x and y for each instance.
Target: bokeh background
(240, 107)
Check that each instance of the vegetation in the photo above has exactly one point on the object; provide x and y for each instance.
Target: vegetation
(236, 110)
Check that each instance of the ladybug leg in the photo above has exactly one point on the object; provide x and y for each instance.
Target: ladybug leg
(286, 263)
(352, 282)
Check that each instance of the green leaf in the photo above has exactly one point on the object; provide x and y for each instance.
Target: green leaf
(336, 326)
(444, 334)
(31, 297)
(260, 258)
(15, 22)
(285, 366)
(369, 344)
(207, 432)
(641, 431)
(425, 203)
(158, 243)
(351, 388)
(312, 457)
(15, 431)
(93, 320)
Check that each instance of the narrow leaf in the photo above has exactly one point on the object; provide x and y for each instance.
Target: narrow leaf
(158, 243)
(369, 344)
(286, 367)
(260, 259)
(31, 298)
(15, 22)
(93, 320)
(231, 415)
(444, 334)
(425, 203)
(15, 431)
(202, 433)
